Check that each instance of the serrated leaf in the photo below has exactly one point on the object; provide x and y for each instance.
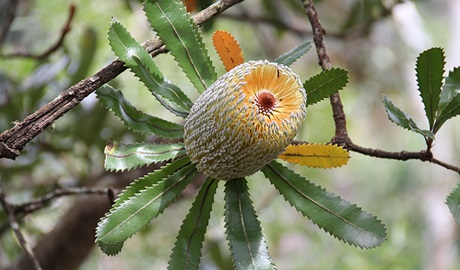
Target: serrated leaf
(150, 180)
(453, 202)
(186, 253)
(336, 216)
(228, 49)
(120, 156)
(111, 250)
(430, 71)
(137, 121)
(244, 234)
(293, 55)
(397, 116)
(451, 110)
(137, 211)
(315, 155)
(450, 89)
(144, 67)
(324, 84)
(449, 98)
(170, 20)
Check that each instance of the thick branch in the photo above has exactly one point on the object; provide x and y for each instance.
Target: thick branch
(12, 141)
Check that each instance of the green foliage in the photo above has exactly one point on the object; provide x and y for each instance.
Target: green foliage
(324, 84)
(114, 100)
(430, 70)
(402, 119)
(293, 55)
(441, 102)
(186, 253)
(120, 156)
(336, 216)
(143, 66)
(148, 196)
(183, 39)
(150, 180)
(134, 213)
(453, 202)
(449, 103)
(244, 234)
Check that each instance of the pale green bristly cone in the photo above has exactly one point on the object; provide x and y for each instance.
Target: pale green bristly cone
(245, 119)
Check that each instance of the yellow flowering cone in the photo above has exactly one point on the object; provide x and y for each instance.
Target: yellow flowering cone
(245, 119)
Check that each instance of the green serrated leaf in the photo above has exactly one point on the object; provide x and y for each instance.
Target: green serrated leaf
(450, 89)
(150, 179)
(137, 121)
(451, 110)
(120, 156)
(181, 35)
(430, 71)
(324, 84)
(402, 119)
(137, 211)
(336, 216)
(186, 253)
(144, 67)
(453, 202)
(293, 55)
(449, 99)
(111, 250)
(244, 234)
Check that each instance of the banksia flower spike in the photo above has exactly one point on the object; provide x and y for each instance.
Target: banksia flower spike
(245, 119)
(241, 123)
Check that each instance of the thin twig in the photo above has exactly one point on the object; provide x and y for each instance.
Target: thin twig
(58, 44)
(39, 203)
(17, 231)
(12, 141)
(341, 134)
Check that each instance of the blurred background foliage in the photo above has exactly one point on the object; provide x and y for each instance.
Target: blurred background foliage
(376, 40)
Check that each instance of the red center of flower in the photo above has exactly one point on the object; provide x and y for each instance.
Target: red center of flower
(265, 101)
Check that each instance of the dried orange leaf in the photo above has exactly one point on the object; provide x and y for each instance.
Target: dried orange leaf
(228, 49)
(316, 155)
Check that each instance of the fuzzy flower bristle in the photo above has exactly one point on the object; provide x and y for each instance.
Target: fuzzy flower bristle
(245, 119)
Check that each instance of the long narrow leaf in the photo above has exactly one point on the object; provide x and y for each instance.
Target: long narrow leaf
(228, 49)
(144, 67)
(453, 202)
(136, 187)
(449, 98)
(450, 89)
(136, 212)
(397, 116)
(137, 121)
(186, 253)
(324, 84)
(340, 218)
(315, 155)
(293, 55)
(244, 234)
(120, 156)
(430, 71)
(170, 20)
(451, 110)
(150, 180)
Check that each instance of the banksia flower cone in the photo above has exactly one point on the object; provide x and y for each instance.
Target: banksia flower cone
(245, 119)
